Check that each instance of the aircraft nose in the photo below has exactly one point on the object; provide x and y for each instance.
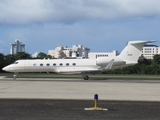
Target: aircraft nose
(5, 68)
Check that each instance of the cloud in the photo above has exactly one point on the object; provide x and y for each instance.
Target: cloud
(96, 35)
(71, 11)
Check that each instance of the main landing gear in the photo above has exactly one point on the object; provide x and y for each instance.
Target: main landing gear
(15, 76)
(85, 77)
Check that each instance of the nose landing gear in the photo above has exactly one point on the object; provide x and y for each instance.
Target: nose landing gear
(15, 76)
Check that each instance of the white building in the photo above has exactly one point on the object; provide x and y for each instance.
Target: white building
(79, 51)
(17, 47)
(149, 51)
(35, 54)
(64, 51)
(94, 55)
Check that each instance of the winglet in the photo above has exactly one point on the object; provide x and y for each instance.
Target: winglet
(109, 65)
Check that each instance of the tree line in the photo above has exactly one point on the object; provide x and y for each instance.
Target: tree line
(144, 66)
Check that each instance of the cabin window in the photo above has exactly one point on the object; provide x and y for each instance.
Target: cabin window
(48, 64)
(54, 64)
(67, 64)
(41, 64)
(60, 64)
(34, 64)
(74, 64)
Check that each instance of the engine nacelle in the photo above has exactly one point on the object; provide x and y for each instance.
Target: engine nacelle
(102, 61)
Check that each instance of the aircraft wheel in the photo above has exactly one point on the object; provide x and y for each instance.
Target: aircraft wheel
(86, 77)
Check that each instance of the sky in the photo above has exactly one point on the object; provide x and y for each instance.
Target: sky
(101, 25)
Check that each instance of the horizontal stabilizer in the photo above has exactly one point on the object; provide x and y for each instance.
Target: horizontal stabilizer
(140, 42)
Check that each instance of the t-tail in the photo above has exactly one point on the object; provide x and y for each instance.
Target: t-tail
(131, 53)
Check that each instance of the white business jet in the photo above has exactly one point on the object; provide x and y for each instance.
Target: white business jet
(128, 57)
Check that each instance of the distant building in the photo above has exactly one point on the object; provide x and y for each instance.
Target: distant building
(94, 55)
(64, 51)
(149, 51)
(35, 54)
(17, 47)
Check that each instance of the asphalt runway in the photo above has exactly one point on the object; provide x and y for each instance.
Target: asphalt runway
(57, 99)
(38, 109)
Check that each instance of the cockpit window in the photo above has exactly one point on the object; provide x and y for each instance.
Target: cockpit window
(15, 63)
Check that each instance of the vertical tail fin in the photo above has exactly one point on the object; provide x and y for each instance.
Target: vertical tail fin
(132, 51)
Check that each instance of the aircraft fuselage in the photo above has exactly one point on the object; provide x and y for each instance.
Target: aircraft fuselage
(60, 65)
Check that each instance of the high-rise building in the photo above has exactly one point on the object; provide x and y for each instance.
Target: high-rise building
(17, 47)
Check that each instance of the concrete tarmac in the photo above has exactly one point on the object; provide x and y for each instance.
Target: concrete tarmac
(111, 89)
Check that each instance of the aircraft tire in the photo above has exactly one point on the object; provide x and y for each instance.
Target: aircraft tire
(86, 77)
